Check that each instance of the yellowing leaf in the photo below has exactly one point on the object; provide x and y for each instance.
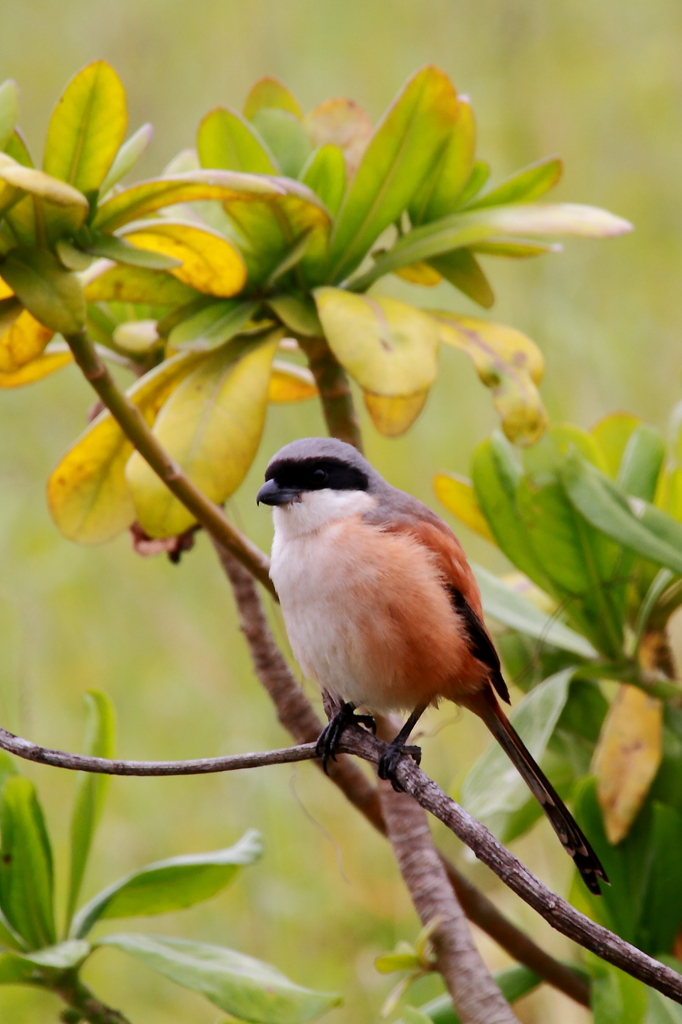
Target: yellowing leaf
(419, 273)
(441, 191)
(343, 123)
(21, 343)
(393, 415)
(53, 295)
(38, 183)
(211, 426)
(5, 290)
(87, 493)
(137, 284)
(507, 362)
(87, 127)
(209, 262)
(627, 757)
(612, 434)
(41, 367)
(290, 383)
(459, 497)
(270, 92)
(388, 347)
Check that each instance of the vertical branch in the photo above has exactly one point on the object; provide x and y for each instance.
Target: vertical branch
(475, 995)
(335, 393)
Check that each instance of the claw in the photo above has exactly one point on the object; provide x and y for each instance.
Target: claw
(330, 736)
(389, 761)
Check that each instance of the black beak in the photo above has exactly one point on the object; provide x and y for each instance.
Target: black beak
(271, 494)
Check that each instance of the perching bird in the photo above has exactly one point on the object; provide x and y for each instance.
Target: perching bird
(382, 610)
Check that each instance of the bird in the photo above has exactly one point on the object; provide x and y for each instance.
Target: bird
(383, 611)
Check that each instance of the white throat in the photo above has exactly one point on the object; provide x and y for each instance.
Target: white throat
(317, 509)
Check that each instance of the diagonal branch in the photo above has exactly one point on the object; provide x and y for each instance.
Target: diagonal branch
(136, 429)
(555, 910)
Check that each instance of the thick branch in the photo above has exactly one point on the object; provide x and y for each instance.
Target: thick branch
(475, 995)
(335, 393)
(298, 717)
(556, 911)
(136, 429)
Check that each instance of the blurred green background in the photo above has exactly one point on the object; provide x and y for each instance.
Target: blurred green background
(596, 81)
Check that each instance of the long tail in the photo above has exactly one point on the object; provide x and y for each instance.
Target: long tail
(564, 824)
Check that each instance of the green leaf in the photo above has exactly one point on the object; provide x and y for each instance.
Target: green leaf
(43, 967)
(17, 149)
(53, 295)
(611, 435)
(298, 313)
(43, 186)
(111, 248)
(642, 462)
(87, 128)
(616, 997)
(168, 885)
(514, 983)
(397, 962)
(9, 110)
(440, 193)
(213, 325)
(228, 141)
(269, 92)
(512, 609)
(387, 346)
(139, 286)
(480, 173)
(661, 1009)
(325, 173)
(247, 988)
(403, 149)
(26, 876)
(71, 257)
(639, 526)
(211, 425)
(524, 186)
(285, 137)
(100, 740)
(461, 268)
(412, 1015)
(471, 227)
(493, 791)
(127, 156)
(496, 474)
(661, 907)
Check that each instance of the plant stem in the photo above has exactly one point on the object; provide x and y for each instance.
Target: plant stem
(335, 393)
(83, 1001)
(136, 429)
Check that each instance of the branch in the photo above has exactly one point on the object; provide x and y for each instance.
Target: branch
(335, 393)
(136, 429)
(298, 717)
(83, 1003)
(555, 910)
(475, 995)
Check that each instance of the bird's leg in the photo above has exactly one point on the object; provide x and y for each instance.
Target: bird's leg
(389, 760)
(329, 738)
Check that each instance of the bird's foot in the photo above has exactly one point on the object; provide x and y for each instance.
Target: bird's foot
(390, 759)
(330, 736)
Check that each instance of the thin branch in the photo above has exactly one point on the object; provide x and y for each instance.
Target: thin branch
(83, 1003)
(475, 995)
(298, 717)
(136, 429)
(556, 911)
(335, 393)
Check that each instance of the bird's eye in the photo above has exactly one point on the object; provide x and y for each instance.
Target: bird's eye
(319, 476)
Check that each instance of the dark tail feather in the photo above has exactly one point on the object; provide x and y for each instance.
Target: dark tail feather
(564, 824)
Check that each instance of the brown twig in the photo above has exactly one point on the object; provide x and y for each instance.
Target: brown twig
(335, 393)
(83, 1003)
(556, 911)
(136, 429)
(474, 994)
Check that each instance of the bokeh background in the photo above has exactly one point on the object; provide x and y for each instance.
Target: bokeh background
(596, 81)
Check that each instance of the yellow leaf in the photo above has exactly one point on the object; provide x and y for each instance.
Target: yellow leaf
(23, 342)
(270, 92)
(290, 383)
(669, 491)
(393, 415)
(122, 283)
(41, 367)
(507, 362)
(458, 495)
(388, 347)
(627, 757)
(342, 123)
(87, 127)
(210, 263)
(5, 290)
(211, 426)
(87, 493)
(419, 273)
(611, 435)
